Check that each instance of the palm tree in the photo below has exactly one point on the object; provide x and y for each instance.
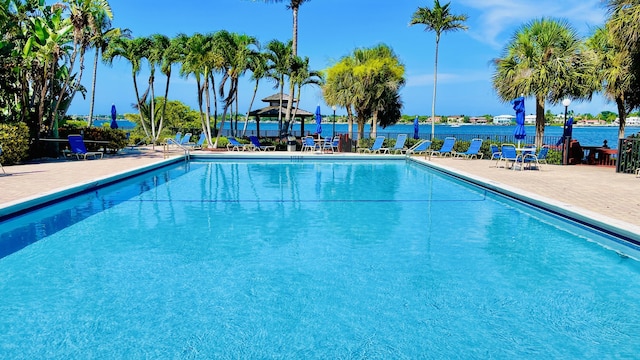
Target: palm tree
(294, 6)
(439, 20)
(100, 41)
(134, 51)
(368, 80)
(301, 76)
(614, 73)
(279, 62)
(258, 68)
(545, 59)
(236, 50)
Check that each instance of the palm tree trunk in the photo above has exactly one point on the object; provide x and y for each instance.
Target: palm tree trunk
(164, 105)
(435, 83)
(144, 127)
(622, 115)
(349, 121)
(152, 106)
(539, 121)
(294, 53)
(280, 108)
(287, 119)
(255, 91)
(93, 86)
(374, 124)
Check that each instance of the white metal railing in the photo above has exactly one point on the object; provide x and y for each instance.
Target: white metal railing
(166, 148)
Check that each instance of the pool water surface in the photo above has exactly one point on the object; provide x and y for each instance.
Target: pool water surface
(309, 259)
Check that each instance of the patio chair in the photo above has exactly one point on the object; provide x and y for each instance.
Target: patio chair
(508, 155)
(308, 144)
(446, 149)
(235, 145)
(399, 145)
(327, 144)
(256, 144)
(375, 148)
(335, 144)
(531, 158)
(420, 147)
(495, 152)
(80, 150)
(473, 151)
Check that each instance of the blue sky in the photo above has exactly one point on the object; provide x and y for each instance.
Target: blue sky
(330, 29)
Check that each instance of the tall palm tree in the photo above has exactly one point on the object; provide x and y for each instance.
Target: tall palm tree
(439, 20)
(614, 73)
(294, 6)
(279, 62)
(101, 37)
(545, 59)
(338, 89)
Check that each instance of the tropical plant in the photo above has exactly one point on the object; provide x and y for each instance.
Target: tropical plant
(439, 20)
(367, 83)
(547, 60)
(279, 63)
(614, 65)
(301, 76)
(259, 70)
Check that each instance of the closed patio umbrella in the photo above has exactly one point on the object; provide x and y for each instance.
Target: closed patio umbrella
(416, 128)
(519, 133)
(318, 121)
(114, 123)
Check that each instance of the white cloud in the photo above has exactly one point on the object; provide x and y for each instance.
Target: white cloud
(494, 21)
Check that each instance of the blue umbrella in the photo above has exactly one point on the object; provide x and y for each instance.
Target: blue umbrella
(318, 120)
(567, 132)
(416, 128)
(114, 124)
(519, 133)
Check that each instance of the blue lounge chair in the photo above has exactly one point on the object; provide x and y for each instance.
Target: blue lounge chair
(375, 148)
(400, 140)
(185, 139)
(473, 151)
(420, 147)
(256, 144)
(235, 145)
(79, 149)
(200, 142)
(174, 140)
(446, 149)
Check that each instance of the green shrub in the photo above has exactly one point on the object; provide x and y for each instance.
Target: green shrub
(14, 139)
(117, 138)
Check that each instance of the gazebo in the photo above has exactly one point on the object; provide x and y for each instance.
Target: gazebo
(273, 109)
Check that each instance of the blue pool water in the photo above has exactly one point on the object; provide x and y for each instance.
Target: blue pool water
(309, 259)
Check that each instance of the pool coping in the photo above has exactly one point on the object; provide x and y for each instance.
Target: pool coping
(627, 232)
(23, 205)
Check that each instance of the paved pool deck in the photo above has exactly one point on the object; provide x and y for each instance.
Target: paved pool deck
(597, 190)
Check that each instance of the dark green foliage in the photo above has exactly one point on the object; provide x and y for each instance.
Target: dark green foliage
(117, 138)
(14, 139)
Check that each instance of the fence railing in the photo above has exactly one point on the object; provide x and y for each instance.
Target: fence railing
(628, 155)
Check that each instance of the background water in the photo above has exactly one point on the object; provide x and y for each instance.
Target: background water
(309, 259)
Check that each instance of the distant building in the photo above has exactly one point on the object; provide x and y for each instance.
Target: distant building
(477, 120)
(504, 119)
(631, 121)
(530, 119)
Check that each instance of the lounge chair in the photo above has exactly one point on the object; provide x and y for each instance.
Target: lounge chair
(375, 148)
(508, 155)
(400, 140)
(446, 149)
(185, 139)
(308, 144)
(235, 145)
(420, 147)
(79, 149)
(256, 144)
(174, 140)
(473, 151)
(200, 142)
(4, 172)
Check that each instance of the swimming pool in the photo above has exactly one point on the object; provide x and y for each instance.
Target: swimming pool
(309, 259)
